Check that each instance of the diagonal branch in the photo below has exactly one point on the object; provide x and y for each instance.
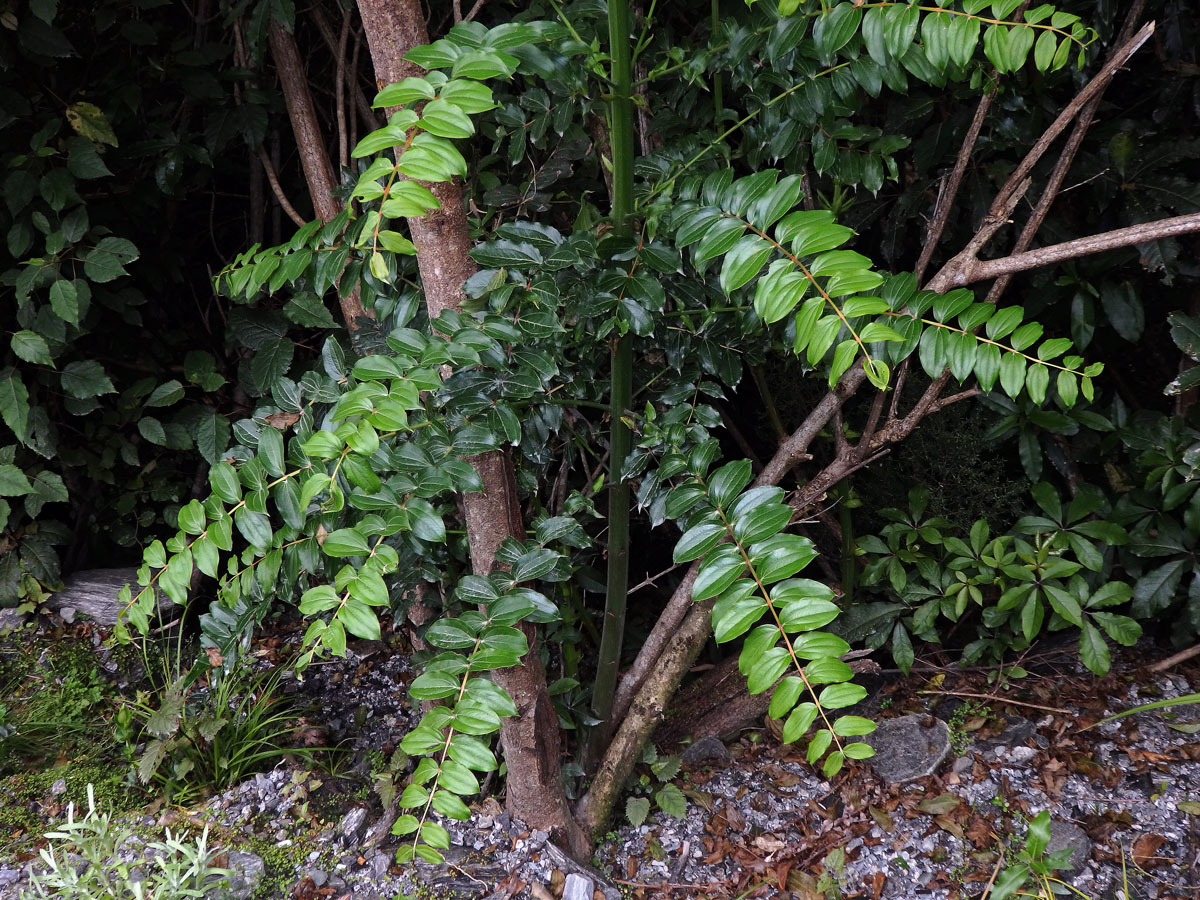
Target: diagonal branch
(678, 636)
(1018, 182)
(1063, 164)
(948, 192)
(314, 158)
(981, 270)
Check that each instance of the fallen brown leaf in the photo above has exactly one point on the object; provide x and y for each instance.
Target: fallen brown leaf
(948, 824)
(1145, 850)
(939, 805)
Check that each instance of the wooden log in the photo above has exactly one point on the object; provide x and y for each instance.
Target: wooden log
(93, 593)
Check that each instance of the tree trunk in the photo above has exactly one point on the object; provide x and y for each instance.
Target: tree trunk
(318, 171)
(531, 740)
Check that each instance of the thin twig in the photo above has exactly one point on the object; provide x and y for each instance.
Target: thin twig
(653, 579)
(474, 10)
(868, 431)
(948, 192)
(764, 392)
(273, 180)
(939, 405)
(840, 445)
(1182, 656)
(898, 389)
(995, 699)
(354, 81)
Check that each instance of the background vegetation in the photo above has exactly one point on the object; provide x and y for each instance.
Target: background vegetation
(242, 342)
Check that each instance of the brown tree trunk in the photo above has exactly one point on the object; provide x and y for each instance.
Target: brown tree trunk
(318, 171)
(531, 740)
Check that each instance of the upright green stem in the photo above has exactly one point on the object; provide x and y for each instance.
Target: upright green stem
(849, 565)
(620, 439)
(718, 88)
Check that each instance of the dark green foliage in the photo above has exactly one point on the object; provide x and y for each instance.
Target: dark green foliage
(112, 123)
(953, 457)
(300, 470)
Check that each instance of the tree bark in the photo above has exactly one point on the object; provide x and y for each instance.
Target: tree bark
(531, 741)
(981, 270)
(310, 141)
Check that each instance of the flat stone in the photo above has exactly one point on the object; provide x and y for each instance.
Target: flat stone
(577, 887)
(1063, 836)
(1017, 732)
(351, 824)
(908, 747)
(1021, 755)
(379, 864)
(11, 619)
(704, 750)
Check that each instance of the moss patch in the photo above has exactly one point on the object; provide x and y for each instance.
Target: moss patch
(30, 807)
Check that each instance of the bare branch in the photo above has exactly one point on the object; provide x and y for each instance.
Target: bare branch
(981, 270)
(938, 405)
(361, 102)
(948, 192)
(1018, 181)
(310, 142)
(277, 188)
(898, 388)
(873, 416)
(474, 10)
(795, 448)
(790, 452)
(340, 92)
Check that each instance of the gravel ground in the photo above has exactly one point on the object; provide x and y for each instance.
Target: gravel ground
(760, 823)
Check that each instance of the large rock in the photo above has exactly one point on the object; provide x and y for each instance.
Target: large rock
(93, 593)
(909, 747)
(1064, 836)
(351, 825)
(577, 887)
(248, 870)
(11, 619)
(705, 749)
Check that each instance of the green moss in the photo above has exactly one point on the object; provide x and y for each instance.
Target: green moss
(26, 794)
(282, 864)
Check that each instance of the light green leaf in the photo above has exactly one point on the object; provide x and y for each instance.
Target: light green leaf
(345, 542)
(31, 347)
(670, 800)
(636, 810)
(446, 120)
(13, 482)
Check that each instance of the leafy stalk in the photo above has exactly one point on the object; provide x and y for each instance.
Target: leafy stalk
(747, 569)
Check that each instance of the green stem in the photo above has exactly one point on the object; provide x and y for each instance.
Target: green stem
(620, 438)
(849, 566)
(718, 87)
